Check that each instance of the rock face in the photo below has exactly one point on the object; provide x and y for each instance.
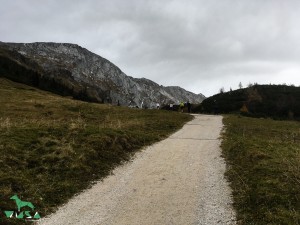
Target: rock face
(68, 69)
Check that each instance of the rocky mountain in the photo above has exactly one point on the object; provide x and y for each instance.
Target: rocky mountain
(68, 69)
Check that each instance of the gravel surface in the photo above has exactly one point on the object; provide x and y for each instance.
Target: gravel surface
(179, 180)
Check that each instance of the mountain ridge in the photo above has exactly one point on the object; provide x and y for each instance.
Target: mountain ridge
(69, 69)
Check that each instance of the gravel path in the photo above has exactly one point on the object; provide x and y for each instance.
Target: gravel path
(179, 180)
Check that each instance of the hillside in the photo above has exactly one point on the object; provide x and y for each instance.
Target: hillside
(70, 70)
(276, 101)
(52, 147)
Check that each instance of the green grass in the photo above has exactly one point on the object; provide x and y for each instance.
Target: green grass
(53, 147)
(263, 158)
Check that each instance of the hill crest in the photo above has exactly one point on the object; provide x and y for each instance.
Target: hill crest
(276, 101)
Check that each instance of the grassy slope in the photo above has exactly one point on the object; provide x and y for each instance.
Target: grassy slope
(52, 147)
(264, 169)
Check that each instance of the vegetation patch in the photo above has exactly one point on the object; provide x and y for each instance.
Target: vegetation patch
(263, 158)
(275, 101)
(53, 147)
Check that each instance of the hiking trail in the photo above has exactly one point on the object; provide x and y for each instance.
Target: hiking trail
(179, 180)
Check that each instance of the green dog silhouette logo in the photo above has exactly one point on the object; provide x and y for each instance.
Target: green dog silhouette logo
(20, 215)
(20, 204)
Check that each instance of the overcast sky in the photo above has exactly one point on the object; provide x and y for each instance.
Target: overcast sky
(200, 45)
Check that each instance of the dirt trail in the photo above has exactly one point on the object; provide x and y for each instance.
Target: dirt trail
(179, 180)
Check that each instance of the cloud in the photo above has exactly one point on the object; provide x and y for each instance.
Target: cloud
(197, 44)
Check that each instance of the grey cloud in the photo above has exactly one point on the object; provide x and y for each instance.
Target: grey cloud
(200, 45)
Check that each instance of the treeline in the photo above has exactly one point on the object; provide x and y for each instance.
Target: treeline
(276, 101)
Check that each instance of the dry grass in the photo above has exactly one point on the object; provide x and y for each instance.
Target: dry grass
(264, 169)
(292, 168)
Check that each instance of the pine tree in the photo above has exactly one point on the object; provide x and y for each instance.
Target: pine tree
(240, 85)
